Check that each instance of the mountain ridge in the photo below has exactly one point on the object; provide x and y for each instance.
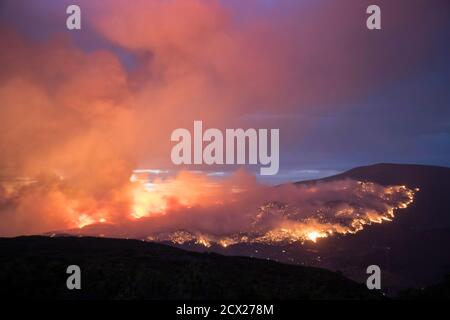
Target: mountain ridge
(405, 173)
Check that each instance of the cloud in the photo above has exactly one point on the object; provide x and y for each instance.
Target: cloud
(75, 121)
(66, 115)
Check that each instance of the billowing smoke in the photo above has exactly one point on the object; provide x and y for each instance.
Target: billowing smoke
(66, 134)
(75, 122)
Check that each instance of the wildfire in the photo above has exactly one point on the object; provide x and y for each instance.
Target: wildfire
(294, 227)
(204, 242)
(314, 235)
(84, 220)
(195, 208)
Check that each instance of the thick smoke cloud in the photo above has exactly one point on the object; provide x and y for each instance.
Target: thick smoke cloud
(66, 133)
(76, 122)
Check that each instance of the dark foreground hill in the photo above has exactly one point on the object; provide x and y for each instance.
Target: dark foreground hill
(35, 267)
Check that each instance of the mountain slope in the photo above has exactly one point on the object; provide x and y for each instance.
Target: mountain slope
(430, 208)
(392, 173)
(34, 267)
(413, 250)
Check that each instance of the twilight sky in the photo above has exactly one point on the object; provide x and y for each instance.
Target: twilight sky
(341, 95)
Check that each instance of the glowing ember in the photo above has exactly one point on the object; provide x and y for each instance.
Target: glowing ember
(314, 235)
(84, 220)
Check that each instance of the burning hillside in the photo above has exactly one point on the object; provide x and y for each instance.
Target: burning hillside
(239, 210)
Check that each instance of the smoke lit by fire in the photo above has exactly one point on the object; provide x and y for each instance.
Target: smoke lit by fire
(77, 119)
(193, 207)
